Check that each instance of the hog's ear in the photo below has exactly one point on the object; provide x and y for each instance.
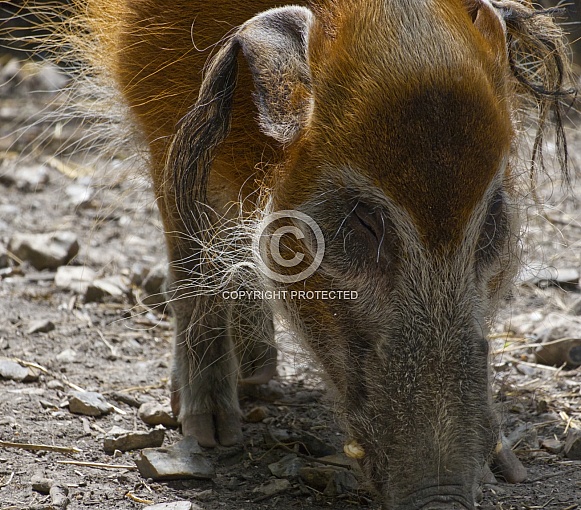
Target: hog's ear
(539, 61)
(488, 22)
(274, 44)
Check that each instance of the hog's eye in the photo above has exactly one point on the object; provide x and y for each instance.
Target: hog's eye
(494, 228)
(370, 221)
(372, 233)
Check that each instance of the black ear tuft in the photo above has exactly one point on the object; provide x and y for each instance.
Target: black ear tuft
(275, 45)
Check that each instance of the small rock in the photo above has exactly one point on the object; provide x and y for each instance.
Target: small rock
(33, 375)
(41, 326)
(175, 505)
(317, 477)
(31, 178)
(12, 370)
(155, 279)
(307, 396)
(80, 195)
(287, 467)
(55, 384)
(4, 260)
(47, 404)
(312, 444)
(552, 445)
(154, 413)
(138, 274)
(342, 482)
(556, 325)
(67, 356)
(89, 403)
(273, 487)
(115, 287)
(523, 324)
(525, 369)
(124, 440)
(45, 251)
(59, 496)
(125, 398)
(572, 447)
(256, 414)
(205, 495)
(183, 460)
(41, 484)
(543, 276)
(75, 278)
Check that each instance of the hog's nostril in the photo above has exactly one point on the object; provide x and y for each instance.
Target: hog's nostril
(440, 505)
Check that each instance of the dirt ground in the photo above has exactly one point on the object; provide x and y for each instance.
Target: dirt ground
(120, 345)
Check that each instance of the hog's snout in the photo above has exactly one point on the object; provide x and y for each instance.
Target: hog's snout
(438, 498)
(441, 505)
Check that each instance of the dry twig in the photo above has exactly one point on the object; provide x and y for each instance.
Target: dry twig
(40, 447)
(97, 465)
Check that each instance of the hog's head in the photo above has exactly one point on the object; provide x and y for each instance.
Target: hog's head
(397, 120)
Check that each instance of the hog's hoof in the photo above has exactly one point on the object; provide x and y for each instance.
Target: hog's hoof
(212, 429)
(508, 465)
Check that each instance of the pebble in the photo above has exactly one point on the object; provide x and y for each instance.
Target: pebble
(205, 495)
(89, 403)
(80, 195)
(256, 414)
(287, 467)
(55, 384)
(175, 505)
(67, 356)
(115, 287)
(125, 398)
(138, 274)
(41, 484)
(273, 487)
(543, 276)
(45, 251)
(11, 370)
(183, 460)
(59, 496)
(523, 324)
(75, 278)
(31, 178)
(307, 396)
(26, 178)
(552, 445)
(555, 326)
(317, 477)
(155, 279)
(125, 440)
(4, 260)
(154, 413)
(342, 482)
(572, 447)
(40, 326)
